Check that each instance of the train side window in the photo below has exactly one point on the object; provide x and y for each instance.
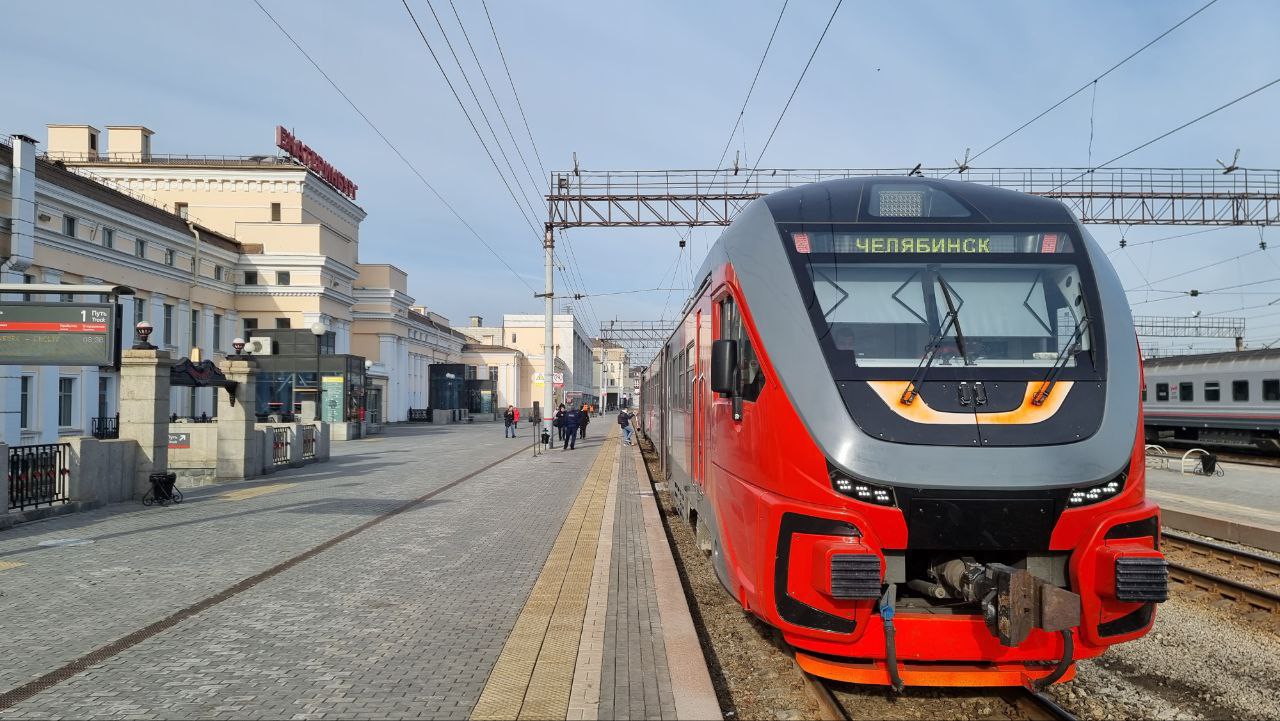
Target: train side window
(1212, 392)
(1144, 392)
(1271, 390)
(1162, 391)
(1239, 390)
(1186, 392)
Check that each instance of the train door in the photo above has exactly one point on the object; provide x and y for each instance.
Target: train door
(698, 470)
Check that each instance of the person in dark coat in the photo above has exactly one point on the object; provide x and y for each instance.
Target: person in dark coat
(570, 427)
(558, 422)
(584, 417)
(509, 420)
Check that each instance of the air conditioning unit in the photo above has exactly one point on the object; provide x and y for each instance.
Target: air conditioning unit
(258, 346)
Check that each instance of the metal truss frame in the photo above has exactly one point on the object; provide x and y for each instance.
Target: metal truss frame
(1115, 196)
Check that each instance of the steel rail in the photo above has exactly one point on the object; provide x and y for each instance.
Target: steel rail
(1262, 562)
(1257, 598)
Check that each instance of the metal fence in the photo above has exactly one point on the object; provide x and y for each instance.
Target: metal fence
(38, 475)
(308, 442)
(420, 415)
(280, 446)
(107, 427)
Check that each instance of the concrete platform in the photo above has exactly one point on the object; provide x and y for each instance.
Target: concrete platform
(1243, 505)
(432, 572)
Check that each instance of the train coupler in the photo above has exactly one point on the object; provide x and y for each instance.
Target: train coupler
(1013, 600)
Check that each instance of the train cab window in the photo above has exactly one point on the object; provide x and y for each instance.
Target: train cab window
(1212, 392)
(1240, 390)
(1162, 391)
(1271, 390)
(1144, 392)
(749, 371)
(1186, 392)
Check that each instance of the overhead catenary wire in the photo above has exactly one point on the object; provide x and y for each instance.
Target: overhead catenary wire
(794, 89)
(1089, 84)
(476, 98)
(1167, 133)
(751, 89)
(392, 146)
(475, 129)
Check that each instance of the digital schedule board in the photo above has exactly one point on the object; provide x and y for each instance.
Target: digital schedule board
(58, 334)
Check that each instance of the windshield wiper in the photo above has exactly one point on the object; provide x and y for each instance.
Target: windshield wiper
(1046, 384)
(931, 351)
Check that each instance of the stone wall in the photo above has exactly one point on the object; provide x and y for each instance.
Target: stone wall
(102, 471)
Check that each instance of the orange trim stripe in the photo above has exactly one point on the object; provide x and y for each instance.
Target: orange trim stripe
(919, 411)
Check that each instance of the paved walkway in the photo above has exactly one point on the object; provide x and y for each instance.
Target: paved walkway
(1242, 505)
(392, 582)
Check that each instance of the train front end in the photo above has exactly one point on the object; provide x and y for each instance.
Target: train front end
(946, 478)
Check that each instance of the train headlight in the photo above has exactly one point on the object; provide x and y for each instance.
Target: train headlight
(861, 490)
(1096, 494)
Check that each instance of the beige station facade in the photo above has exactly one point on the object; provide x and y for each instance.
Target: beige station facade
(216, 248)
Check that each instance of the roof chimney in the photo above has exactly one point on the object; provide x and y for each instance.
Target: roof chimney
(22, 231)
(73, 142)
(128, 143)
(476, 321)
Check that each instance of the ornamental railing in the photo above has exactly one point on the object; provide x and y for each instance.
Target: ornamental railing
(39, 475)
(106, 427)
(308, 442)
(280, 446)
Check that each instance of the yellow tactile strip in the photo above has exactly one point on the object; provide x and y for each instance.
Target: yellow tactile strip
(6, 565)
(584, 698)
(247, 493)
(534, 672)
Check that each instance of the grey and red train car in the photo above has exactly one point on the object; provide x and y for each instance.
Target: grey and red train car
(1229, 399)
(903, 417)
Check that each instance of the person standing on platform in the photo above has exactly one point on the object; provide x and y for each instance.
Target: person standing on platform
(624, 420)
(584, 417)
(509, 421)
(515, 423)
(569, 426)
(558, 422)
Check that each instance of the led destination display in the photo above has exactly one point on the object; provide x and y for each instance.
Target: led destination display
(72, 334)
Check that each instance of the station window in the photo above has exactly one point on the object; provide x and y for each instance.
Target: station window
(1162, 391)
(139, 310)
(251, 277)
(217, 331)
(1239, 390)
(275, 212)
(250, 324)
(168, 256)
(1186, 392)
(24, 409)
(181, 210)
(66, 401)
(168, 324)
(282, 277)
(140, 248)
(217, 272)
(283, 323)
(1271, 390)
(69, 225)
(108, 238)
(1212, 392)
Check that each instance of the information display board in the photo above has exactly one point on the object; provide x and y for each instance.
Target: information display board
(58, 334)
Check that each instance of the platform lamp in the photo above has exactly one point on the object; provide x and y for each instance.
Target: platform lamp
(318, 330)
(143, 330)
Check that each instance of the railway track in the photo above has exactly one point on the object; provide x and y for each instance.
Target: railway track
(1234, 561)
(1037, 706)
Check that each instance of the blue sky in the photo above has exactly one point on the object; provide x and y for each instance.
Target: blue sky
(658, 85)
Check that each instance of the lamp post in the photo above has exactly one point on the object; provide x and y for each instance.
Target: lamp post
(318, 330)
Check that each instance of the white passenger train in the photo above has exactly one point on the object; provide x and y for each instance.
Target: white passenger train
(1225, 399)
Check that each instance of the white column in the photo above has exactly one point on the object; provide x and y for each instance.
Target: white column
(157, 319)
(45, 384)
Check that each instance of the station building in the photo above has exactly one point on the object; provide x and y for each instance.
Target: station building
(525, 334)
(611, 364)
(217, 248)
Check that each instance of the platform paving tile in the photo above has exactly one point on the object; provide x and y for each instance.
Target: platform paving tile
(635, 681)
(404, 620)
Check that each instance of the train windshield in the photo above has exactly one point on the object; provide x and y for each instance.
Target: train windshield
(1007, 300)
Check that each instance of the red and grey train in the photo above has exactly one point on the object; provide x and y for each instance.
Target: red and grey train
(903, 417)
